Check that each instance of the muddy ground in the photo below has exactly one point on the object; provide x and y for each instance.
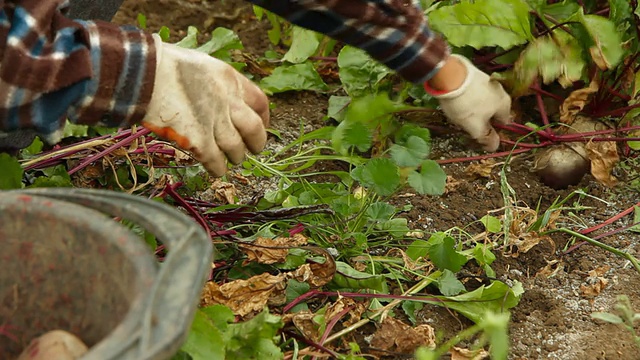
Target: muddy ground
(553, 319)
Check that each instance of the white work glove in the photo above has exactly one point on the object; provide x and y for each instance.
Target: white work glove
(472, 106)
(206, 107)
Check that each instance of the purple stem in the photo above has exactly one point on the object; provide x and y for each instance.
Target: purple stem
(314, 344)
(119, 135)
(608, 233)
(297, 229)
(537, 88)
(526, 145)
(56, 159)
(617, 112)
(543, 114)
(332, 324)
(87, 161)
(618, 78)
(482, 157)
(524, 130)
(171, 191)
(578, 136)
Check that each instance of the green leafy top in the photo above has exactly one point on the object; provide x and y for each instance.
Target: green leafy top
(484, 23)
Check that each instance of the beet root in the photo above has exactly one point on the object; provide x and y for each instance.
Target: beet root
(561, 166)
(564, 165)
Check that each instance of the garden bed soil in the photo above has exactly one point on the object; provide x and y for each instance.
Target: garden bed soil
(553, 319)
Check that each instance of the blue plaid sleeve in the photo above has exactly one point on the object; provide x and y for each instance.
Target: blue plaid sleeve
(394, 32)
(53, 68)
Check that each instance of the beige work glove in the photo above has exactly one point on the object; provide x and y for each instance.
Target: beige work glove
(206, 107)
(472, 106)
(54, 345)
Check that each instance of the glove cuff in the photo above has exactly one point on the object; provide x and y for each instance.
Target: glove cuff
(471, 71)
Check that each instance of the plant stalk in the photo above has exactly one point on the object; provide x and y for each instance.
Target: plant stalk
(597, 243)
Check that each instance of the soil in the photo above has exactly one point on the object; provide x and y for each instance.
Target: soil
(553, 319)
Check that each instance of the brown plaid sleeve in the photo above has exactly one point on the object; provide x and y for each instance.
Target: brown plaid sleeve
(52, 68)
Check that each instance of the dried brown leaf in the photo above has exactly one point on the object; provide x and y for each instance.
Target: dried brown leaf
(628, 78)
(409, 264)
(360, 263)
(244, 297)
(271, 251)
(451, 184)
(466, 354)
(304, 322)
(595, 288)
(527, 241)
(314, 273)
(598, 57)
(224, 192)
(599, 271)
(87, 176)
(240, 178)
(356, 309)
(394, 335)
(481, 170)
(551, 269)
(595, 283)
(182, 156)
(523, 240)
(604, 157)
(575, 102)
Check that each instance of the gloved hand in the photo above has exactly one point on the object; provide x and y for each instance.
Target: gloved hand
(472, 105)
(206, 107)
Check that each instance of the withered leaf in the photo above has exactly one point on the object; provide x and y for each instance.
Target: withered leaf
(452, 184)
(356, 309)
(598, 57)
(628, 77)
(575, 102)
(409, 263)
(304, 322)
(481, 170)
(520, 236)
(314, 273)
(271, 251)
(527, 241)
(224, 192)
(595, 288)
(551, 269)
(244, 297)
(595, 283)
(466, 354)
(394, 335)
(604, 157)
(599, 271)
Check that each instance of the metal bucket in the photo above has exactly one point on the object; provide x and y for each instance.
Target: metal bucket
(66, 264)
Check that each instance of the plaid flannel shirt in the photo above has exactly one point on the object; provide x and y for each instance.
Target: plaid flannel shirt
(53, 68)
(394, 32)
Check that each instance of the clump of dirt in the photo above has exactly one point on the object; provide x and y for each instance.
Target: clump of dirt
(553, 319)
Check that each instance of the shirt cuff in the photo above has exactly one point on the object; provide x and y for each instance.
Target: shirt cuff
(123, 63)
